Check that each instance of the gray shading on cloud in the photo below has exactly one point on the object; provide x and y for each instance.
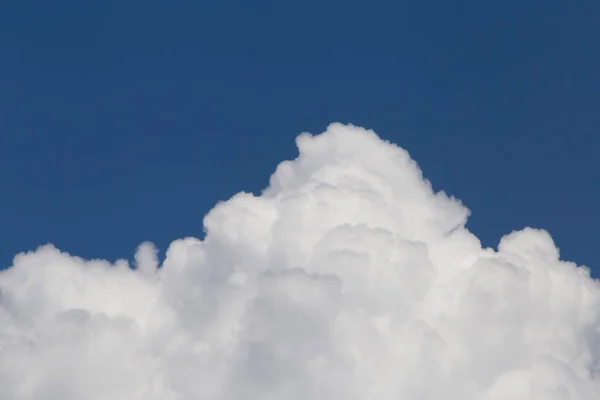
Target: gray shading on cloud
(347, 278)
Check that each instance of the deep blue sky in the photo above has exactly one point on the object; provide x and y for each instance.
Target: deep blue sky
(124, 121)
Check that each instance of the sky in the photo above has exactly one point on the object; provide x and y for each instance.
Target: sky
(127, 121)
(273, 173)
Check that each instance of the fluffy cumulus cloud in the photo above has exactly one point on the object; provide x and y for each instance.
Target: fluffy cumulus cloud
(347, 278)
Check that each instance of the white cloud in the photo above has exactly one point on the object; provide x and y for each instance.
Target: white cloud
(348, 278)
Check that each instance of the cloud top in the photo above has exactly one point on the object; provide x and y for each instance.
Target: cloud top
(347, 278)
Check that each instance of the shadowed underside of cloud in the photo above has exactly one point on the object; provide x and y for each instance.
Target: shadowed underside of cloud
(347, 278)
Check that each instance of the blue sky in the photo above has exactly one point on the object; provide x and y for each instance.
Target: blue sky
(125, 121)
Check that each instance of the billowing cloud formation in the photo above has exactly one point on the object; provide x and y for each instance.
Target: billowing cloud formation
(348, 278)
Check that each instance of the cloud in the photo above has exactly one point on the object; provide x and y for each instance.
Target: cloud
(347, 278)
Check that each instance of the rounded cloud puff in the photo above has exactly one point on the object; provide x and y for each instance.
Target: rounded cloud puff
(347, 278)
